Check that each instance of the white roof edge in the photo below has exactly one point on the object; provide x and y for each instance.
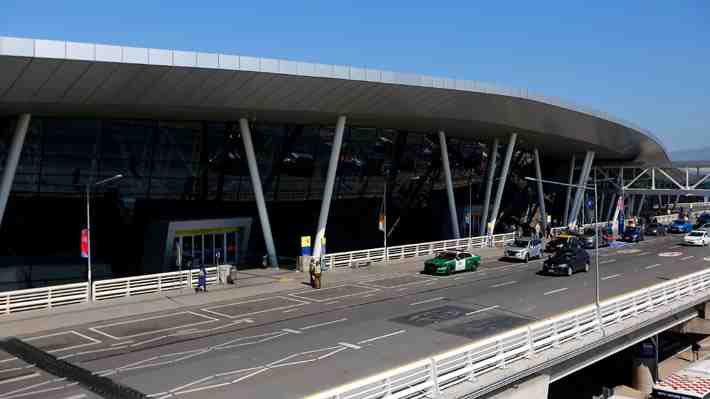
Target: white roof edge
(57, 49)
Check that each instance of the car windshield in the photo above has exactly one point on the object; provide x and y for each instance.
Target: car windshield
(565, 255)
(446, 256)
(696, 234)
(520, 243)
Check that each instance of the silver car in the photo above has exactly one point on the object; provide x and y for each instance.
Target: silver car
(524, 249)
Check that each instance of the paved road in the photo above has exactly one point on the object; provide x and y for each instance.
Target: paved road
(294, 343)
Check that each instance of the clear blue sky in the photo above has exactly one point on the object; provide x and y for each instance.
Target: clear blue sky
(645, 61)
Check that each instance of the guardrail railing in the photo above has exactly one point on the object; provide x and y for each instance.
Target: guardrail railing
(377, 255)
(150, 283)
(429, 376)
(43, 298)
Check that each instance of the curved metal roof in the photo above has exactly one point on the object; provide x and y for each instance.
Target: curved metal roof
(94, 80)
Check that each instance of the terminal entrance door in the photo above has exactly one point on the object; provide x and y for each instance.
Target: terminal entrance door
(207, 248)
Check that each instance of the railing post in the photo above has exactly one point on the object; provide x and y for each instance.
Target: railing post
(160, 283)
(7, 304)
(556, 341)
(49, 299)
(434, 376)
(578, 333)
(388, 386)
(501, 353)
(531, 344)
(128, 288)
(636, 311)
(469, 364)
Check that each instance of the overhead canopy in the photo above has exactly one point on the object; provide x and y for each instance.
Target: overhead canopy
(92, 80)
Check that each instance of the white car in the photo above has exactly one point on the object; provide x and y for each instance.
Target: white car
(697, 237)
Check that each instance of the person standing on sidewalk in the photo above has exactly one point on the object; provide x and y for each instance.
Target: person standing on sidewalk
(315, 272)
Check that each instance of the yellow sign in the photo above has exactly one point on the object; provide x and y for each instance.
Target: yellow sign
(305, 241)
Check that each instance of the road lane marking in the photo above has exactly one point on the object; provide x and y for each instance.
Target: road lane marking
(604, 262)
(323, 324)
(612, 276)
(503, 284)
(382, 337)
(402, 289)
(288, 330)
(652, 266)
(687, 257)
(351, 346)
(291, 310)
(483, 310)
(644, 253)
(368, 295)
(555, 291)
(427, 301)
(331, 302)
(20, 378)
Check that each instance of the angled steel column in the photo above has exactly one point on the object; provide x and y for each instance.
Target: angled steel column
(565, 217)
(491, 172)
(582, 182)
(640, 207)
(501, 182)
(540, 193)
(612, 205)
(632, 205)
(13, 158)
(449, 184)
(258, 192)
(329, 183)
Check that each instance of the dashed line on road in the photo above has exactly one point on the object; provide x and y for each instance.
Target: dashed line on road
(292, 331)
(611, 277)
(687, 257)
(604, 262)
(503, 284)
(483, 310)
(292, 310)
(351, 346)
(652, 266)
(644, 253)
(330, 303)
(323, 324)
(555, 291)
(427, 301)
(382, 337)
(367, 296)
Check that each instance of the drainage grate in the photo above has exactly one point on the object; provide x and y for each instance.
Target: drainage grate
(102, 386)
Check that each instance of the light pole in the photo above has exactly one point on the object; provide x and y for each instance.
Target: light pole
(88, 227)
(470, 211)
(596, 232)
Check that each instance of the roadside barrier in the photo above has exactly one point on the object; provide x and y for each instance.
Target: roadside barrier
(150, 283)
(43, 298)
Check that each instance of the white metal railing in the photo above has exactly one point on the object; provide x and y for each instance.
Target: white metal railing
(693, 204)
(150, 283)
(43, 298)
(434, 374)
(377, 255)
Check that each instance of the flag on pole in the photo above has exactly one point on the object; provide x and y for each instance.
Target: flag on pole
(381, 218)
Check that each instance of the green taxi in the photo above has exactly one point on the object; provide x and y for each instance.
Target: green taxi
(451, 262)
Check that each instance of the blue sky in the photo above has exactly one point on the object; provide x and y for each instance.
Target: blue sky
(644, 61)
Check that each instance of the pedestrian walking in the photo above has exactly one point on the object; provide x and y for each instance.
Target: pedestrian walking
(537, 231)
(315, 272)
(202, 280)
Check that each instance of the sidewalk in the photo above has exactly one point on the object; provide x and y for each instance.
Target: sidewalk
(250, 283)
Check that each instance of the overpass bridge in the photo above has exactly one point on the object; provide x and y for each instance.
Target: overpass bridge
(384, 331)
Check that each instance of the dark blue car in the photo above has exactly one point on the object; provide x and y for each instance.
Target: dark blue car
(681, 226)
(633, 234)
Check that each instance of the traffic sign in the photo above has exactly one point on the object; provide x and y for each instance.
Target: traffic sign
(84, 243)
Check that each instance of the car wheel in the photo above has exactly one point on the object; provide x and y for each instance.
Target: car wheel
(569, 271)
(586, 267)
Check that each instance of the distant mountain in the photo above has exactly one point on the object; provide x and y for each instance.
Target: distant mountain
(698, 154)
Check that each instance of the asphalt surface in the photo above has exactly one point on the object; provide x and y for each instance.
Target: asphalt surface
(295, 343)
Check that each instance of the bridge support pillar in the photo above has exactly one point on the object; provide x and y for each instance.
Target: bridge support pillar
(540, 193)
(533, 388)
(491, 172)
(13, 158)
(258, 191)
(582, 183)
(568, 199)
(449, 184)
(329, 183)
(501, 182)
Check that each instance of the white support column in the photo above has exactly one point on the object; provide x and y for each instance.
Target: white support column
(582, 182)
(329, 183)
(501, 182)
(492, 156)
(540, 193)
(13, 158)
(258, 192)
(568, 199)
(449, 184)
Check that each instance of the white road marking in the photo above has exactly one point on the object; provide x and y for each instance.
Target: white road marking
(555, 291)
(687, 257)
(293, 303)
(207, 319)
(402, 289)
(79, 396)
(483, 310)
(20, 378)
(92, 341)
(291, 310)
(612, 276)
(503, 284)
(351, 346)
(644, 253)
(323, 324)
(652, 266)
(432, 282)
(382, 337)
(604, 262)
(288, 330)
(368, 295)
(458, 278)
(331, 302)
(427, 301)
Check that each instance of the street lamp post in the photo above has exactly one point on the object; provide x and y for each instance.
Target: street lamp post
(470, 211)
(88, 228)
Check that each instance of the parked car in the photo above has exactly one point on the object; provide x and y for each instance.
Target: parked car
(633, 234)
(566, 262)
(524, 249)
(703, 218)
(448, 262)
(680, 226)
(589, 237)
(656, 229)
(697, 237)
(563, 240)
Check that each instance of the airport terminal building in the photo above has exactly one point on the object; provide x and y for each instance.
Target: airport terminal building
(230, 157)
